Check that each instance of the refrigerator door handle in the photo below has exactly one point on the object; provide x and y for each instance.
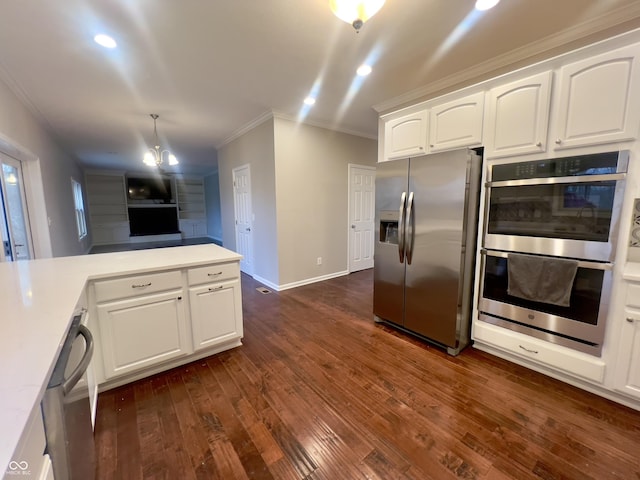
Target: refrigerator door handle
(408, 241)
(401, 232)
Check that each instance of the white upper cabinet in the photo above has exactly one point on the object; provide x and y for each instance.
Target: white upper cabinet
(406, 136)
(598, 100)
(456, 124)
(517, 119)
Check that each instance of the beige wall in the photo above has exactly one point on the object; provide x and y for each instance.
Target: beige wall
(299, 186)
(312, 197)
(254, 148)
(48, 170)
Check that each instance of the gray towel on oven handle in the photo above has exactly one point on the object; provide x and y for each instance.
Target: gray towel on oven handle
(541, 279)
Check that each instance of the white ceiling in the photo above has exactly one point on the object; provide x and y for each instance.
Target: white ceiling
(209, 68)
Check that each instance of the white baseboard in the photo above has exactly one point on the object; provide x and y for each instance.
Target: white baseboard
(266, 282)
(306, 281)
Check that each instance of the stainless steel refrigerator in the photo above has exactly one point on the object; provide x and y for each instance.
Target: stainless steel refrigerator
(426, 229)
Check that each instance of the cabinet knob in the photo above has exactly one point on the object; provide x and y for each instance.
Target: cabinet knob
(539, 144)
(179, 298)
(422, 148)
(558, 141)
(631, 320)
(432, 145)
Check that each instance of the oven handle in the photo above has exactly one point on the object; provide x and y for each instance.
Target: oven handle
(553, 180)
(581, 263)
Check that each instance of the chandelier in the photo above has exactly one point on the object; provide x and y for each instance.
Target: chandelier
(154, 157)
(355, 12)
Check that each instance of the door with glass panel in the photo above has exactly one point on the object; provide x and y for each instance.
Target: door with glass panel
(14, 220)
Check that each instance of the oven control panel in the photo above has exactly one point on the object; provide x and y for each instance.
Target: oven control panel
(593, 164)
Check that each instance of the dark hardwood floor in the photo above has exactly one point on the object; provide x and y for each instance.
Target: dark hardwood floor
(319, 391)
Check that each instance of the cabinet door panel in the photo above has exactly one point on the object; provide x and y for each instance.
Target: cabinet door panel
(518, 117)
(598, 99)
(628, 363)
(406, 136)
(214, 313)
(456, 124)
(141, 332)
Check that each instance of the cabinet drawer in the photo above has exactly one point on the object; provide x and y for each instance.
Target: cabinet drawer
(137, 285)
(633, 295)
(543, 353)
(213, 273)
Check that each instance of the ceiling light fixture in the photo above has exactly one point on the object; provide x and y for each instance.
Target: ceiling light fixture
(364, 70)
(105, 40)
(309, 101)
(486, 4)
(355, 12)
(154, 157)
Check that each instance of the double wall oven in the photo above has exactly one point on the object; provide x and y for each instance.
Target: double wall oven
(557, 215)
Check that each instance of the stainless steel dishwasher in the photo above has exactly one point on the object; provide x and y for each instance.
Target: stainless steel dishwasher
(67, 416)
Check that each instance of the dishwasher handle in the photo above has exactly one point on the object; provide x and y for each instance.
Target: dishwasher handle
(78, 372)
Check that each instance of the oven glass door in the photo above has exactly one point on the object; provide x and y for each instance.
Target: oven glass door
(582, 321)
(575, 211)
(584, 303)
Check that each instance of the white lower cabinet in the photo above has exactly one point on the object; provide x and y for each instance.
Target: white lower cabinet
(29, 459)
(548, 355)
(627, 378)
(216, 313)
(140, 332)
(151, 321)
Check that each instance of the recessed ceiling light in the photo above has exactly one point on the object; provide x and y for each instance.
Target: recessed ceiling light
(105, 40)
(486, 4)
(364, 70)
(309, 101)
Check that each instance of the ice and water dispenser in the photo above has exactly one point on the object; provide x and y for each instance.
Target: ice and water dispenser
(389, 226)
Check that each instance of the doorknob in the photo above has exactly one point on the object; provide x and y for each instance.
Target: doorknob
(248, 229)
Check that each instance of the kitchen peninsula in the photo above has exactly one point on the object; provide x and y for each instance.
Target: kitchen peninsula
(200, 283)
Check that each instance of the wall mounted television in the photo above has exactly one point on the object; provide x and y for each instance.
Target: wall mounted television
(150, 189)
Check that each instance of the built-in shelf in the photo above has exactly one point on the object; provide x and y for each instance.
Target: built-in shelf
(191, 203)
(107, 207)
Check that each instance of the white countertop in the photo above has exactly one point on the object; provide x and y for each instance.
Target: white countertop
(631, 271)
(37, 301)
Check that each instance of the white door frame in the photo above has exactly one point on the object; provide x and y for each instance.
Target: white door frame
(34, 193)
(350, 168)
(25, 223)
(246, 264)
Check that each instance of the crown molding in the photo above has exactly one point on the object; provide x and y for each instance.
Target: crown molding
(268, 115)
(290, 118)
(538, 48)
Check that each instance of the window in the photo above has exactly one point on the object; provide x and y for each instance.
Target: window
(81, 221)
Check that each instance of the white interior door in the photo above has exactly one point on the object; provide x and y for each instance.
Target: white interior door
(14, 218)
(244, 216)
(362, 181)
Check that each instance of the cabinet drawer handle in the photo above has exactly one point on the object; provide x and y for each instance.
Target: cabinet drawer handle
(216, 288)
(214, 274)
(528, 350)
(141, 285)
(558, 141)
(539, 144)
(631, 320)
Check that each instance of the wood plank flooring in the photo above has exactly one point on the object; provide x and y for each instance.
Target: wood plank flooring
(319, 391)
